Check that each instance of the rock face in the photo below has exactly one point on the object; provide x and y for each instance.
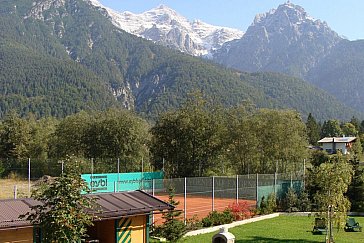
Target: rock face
(165, 26)
(285, 40)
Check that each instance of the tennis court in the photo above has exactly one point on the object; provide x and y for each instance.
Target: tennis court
(199, 206)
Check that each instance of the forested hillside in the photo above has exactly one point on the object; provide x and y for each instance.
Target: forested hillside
(47, 86)
(60, 57)
(341, 73)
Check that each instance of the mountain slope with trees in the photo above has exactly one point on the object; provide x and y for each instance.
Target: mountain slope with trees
(341, 73)
(287, 40)
(76, 59)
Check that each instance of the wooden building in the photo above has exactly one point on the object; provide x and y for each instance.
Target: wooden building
(120, 217)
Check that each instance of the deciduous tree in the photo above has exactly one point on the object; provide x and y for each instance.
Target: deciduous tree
(189, 139)
(332, 180)
(62, 213)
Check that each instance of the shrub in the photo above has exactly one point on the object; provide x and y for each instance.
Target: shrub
(193, 223)
(268, 206)
(215, 218)
(262, 206)
(206, 222)
(240, 210)
(15, 176)
(271, 203)
(291, 201)
(173, 230)
(304, 202)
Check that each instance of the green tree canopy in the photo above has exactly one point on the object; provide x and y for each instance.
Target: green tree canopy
(313, 130)
(62, 215)
(356, 189)
(331, 181)
(348, 129)
(189, 139)
(331, 128)
(263, 142)
(15, 137)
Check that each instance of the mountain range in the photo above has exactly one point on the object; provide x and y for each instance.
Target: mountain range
(165, 26)
(288, 40)
(59, 57)
(285, 40)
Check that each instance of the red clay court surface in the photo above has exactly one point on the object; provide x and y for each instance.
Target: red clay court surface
(199, 206)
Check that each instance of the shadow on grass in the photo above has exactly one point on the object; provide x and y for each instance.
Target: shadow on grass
(266, 239)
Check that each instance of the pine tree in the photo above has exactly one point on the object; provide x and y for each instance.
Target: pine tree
(173, 228)
(313, 130)
(356, 188)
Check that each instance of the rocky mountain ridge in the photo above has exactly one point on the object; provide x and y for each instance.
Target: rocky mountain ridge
(165, 26)
(284, 40)
(288, 40)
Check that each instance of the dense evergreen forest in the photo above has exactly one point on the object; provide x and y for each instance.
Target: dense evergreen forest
(341, 73)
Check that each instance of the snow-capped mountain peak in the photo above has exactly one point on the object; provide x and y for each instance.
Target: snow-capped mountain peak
(165, 26)
(287, 13)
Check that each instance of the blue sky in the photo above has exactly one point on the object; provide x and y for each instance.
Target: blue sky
(346, 17)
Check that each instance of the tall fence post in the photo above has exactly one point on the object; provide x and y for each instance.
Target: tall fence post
(304, 171)
(153, 186)
(257, 189)
(141, 179)
(118, 174)
(275, 183)
(237, 188)
(29, 175)
(15, 191)
(213, 193)
(92, 173)
(185, 202)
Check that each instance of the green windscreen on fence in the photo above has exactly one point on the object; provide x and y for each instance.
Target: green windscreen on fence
(116, 182)
(280, 189)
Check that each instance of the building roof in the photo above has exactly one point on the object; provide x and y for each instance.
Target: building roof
(108, 205)
(11, 209)
(337, 140)
(120, 204)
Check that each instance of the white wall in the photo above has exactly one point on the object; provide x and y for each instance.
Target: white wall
(339, 146)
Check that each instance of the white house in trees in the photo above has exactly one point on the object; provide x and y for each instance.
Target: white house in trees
(333, 144)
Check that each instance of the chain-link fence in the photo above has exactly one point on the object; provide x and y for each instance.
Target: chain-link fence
(18, 175)
(200, 195)
(37, 168)
(197, 196)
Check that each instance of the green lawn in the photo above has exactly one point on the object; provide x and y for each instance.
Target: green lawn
(282, 229)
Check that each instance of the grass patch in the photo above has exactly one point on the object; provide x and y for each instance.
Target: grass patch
(7, 188)
(282, 229)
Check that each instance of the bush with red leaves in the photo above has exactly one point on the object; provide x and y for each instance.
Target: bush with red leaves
(240, 210)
